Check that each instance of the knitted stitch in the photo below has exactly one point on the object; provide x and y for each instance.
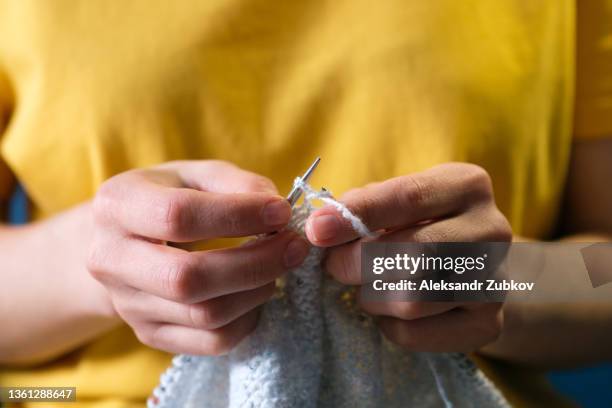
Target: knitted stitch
(313, 347)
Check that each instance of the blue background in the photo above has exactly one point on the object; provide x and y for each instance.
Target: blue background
(590, 387)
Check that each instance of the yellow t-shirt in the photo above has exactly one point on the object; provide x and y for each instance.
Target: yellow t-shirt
(377, 89)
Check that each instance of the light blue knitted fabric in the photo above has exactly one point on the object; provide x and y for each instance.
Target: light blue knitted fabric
(313, 348)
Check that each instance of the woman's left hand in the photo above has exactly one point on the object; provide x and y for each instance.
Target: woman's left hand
(451, 202)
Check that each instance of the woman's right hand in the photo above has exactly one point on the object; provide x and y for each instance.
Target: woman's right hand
(201, 302)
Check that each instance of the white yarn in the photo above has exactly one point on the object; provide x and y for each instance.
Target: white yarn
(313, 349)
(326, 197)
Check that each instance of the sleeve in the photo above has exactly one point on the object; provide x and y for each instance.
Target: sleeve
(593, 94)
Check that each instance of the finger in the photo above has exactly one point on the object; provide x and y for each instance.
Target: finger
(458, 330)
(406, 310)
(343, 263)
(436, 193)
(483, 224)
(187, 340)
(218, 176)
(192, 277)
(145, 208)
(207, 315)
(486, 224)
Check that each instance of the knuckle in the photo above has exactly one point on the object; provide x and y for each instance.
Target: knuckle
(259, 183)
(363, 201)
(147, 336)
(410, 189)
(177, 163)
(221, 164)
(257, 274)
(179, 279)
(223, 340)
(96, 262)
(125, 309)
(496, 321)
(205, 316)
(176, 212)
(342, 266)
(232, 222)
(104, 202)
(489, 335)
(490, 324)
(501, 228)
(93, 262)
(220, 344)
(347, 266)
(172, 215)
(353, 192)
(493, 226)
(471, 170)
(360, 200)
(478, 181)
(364, 206)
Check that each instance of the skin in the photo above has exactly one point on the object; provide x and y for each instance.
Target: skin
(449, 202)
(201, 302)
(568, 334)
(114, 261)
(454, 202)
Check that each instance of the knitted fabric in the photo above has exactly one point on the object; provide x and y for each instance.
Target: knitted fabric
(314, 348)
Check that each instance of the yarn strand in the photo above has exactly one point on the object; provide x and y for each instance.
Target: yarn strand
(326, 197)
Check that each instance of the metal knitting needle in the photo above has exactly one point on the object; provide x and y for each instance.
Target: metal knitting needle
(296, 192)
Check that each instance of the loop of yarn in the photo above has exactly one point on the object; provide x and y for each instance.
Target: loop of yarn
(326, 197)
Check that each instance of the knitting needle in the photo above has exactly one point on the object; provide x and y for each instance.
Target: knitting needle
(296, 192)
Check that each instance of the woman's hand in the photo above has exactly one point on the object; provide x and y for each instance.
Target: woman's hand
(448, 203)
(201, 302)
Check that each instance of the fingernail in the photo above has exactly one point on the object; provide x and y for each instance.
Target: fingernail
(296, 252)
(276, 213)
(325, 227)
